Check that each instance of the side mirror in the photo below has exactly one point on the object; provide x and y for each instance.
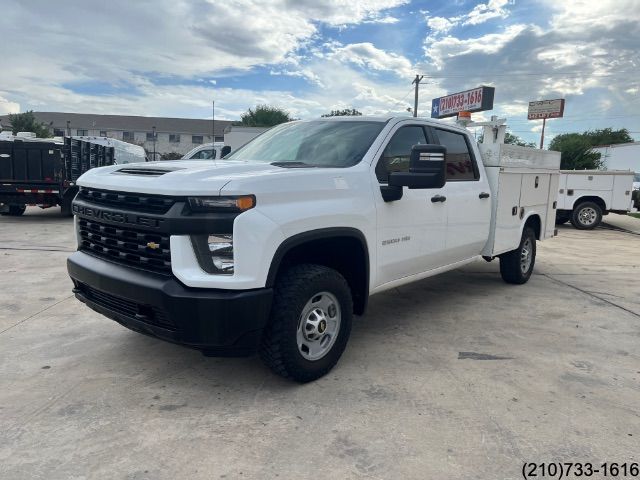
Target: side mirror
(427, 168)
(226, 150)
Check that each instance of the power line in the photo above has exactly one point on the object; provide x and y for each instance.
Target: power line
(528, 74)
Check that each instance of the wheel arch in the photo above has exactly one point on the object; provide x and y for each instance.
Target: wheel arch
(591, 198)
(341, 248)
(533, 221)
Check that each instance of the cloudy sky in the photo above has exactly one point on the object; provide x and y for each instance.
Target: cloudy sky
(172, 57)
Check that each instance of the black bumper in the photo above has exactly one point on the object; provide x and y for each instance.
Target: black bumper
(218, 322)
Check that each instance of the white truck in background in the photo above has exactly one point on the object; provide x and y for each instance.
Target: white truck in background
(276, 248)
(238, 136)
(207, 151)
(234, 138)
(584, 196)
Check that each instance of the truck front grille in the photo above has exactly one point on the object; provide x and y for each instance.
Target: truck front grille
(135, 248)
(134, 202)
(144, 313)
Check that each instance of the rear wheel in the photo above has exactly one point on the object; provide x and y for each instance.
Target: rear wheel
(310, 323)
(516, 266)
(15, 210)
(586, 216)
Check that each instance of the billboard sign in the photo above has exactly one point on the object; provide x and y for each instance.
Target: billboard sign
(542, 109)
(474, 100)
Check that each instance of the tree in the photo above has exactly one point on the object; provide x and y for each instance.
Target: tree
(265, 116)
(576, 153)
(26, 122)
(576, 147)
(347, 112)
(608, 136)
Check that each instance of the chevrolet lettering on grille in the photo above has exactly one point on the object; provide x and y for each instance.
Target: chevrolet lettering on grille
(117, 217)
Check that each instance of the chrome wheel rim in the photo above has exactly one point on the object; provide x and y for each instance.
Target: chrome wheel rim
(587, 216)
(526, 254)
(318, 326)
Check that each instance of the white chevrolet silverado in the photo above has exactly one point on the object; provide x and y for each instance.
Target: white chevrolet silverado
(276, 247)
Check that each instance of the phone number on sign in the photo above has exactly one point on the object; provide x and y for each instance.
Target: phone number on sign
(465, 100)
(577, 470)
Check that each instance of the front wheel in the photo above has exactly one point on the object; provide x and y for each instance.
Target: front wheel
(310, 323)
(516, 266)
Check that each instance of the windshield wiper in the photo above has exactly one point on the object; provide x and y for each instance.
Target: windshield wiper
(292, 164)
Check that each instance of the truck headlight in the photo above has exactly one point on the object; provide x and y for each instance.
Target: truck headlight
(222, 204)
(214, 253)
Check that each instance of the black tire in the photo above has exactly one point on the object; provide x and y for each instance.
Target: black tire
(294, 288)
(15, 210)
(512, 268)
(65, 206)
(562, 217)
(586, 216)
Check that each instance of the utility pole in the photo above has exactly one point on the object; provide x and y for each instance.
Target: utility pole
(154, 143)
(416, 81)
(213, 121)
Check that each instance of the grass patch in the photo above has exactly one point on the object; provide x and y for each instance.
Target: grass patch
(636, 215)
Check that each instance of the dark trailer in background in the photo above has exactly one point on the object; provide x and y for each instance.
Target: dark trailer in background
(44, 173)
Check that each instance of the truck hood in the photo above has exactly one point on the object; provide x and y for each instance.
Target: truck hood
(179, 178)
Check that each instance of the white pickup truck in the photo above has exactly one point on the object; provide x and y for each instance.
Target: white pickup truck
(276, 247)
(584, 196)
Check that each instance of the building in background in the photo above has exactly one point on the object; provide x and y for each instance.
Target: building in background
(621, 156)
(173, 135)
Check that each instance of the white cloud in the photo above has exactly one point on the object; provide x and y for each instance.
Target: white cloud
(440, 25)
(492, 43)
(368, 56)
(486, 11)
(481, 13)
(8, 107)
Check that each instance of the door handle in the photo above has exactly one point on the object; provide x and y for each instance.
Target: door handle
(484, 195)
(438, 198)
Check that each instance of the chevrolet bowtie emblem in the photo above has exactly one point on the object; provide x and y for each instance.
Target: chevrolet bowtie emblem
(153, 245)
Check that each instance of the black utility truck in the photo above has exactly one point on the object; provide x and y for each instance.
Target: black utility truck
(43, 172)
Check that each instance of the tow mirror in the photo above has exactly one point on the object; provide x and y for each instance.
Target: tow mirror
(226, 150)
(427, 169)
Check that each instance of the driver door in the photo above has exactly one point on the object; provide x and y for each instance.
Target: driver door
(411, 231)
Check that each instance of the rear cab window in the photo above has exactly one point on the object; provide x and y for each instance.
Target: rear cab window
(461, 162)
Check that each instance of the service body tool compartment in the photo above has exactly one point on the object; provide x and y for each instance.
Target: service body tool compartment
(523, 180)
(613, 187)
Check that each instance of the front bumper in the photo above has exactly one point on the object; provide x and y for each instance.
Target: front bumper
(218, 322)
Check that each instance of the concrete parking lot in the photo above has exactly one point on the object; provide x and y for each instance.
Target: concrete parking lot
(459, 376)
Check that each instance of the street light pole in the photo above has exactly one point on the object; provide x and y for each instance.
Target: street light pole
(213, 121)
(154, 142)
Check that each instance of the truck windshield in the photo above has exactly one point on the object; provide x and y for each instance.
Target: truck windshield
(320, 143)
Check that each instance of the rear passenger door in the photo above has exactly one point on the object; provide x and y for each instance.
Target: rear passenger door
(468, 197)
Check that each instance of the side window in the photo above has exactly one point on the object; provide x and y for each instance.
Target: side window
(204, 155)
(396, 155)
(460, 163)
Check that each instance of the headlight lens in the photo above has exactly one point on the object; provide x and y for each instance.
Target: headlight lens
(222, 204)
(214, 253)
